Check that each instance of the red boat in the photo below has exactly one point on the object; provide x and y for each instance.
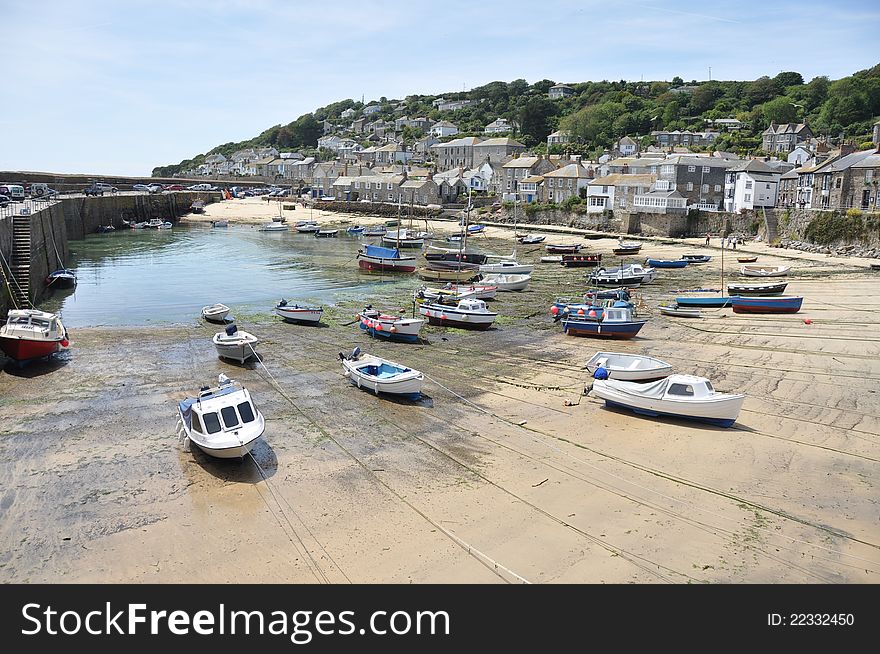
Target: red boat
(376, 257)
(32, 334)
(581, 260)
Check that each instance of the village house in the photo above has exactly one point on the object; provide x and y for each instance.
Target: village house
(628, 166)
(422, 147)
(376, 188)
(371, 109)
(479, 178)
(558, 91)
(833, 184)
(626, 147)
(377, 127)
(457, 153)
(420, 191)
(421, 123)
(322, 177)
(662, 198)
(751, 185)
(392, 153)
(787, 195)
(451, 105)
(531, 189)
(563, 183)
(357, 125)
(699, 179)
(347, 113)
(499, 126)
(443, 128)
(519, 168)
(559, 137)
(785, 137)
(864, 181)
(800, 156)
(617, 191)
(666, 139)
(497, 150)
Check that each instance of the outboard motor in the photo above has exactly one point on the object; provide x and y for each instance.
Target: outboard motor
(282, 303)
(231, 330)
(601, 373)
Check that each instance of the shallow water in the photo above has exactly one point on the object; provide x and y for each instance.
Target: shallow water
(146, 276)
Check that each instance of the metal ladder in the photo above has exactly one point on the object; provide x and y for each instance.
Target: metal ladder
(20, 263)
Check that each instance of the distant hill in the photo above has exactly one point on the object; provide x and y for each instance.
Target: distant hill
(598, 113)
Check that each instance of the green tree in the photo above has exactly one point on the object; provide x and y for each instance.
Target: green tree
(534, 118)
(788, 78)
(779, 110)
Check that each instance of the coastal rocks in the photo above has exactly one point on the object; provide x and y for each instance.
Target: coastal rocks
(848, 250)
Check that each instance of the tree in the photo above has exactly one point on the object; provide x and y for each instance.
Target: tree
(761, 90)
(677, 81)
(534, 118)
(779, 110)
(788, 78)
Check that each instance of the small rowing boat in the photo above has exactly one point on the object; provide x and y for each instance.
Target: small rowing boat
(297, 313)
(680, 312)
(379, 375)
(764, 271)
(215, 312)
(766, 304)
(628, 367)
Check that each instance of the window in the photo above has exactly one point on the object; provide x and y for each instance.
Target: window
(692, 169)
(391, 196)
(748, 197)
(717, 188)
(604, 189)
(212, 422)
(196, 425)
(706, 169)
(838, 182)
(704, 188)
(230, 417)
(749, 184)
(390, 186)
(690, 186)
(767, 186)
(869, 175)
(681, 389)
(246, 412)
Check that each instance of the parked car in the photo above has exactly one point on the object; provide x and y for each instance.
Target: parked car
(175, 187)
(200, 187)
(155, 188)
(41, 191)
(140, 187)
(4, 200)
(14, 192)
(100, 188)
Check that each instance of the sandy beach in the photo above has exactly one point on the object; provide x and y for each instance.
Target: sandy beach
(506, 472)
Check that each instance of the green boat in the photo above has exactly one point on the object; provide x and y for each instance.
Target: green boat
(392, 223)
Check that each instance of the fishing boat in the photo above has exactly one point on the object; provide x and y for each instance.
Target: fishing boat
(454, 238)
(563, 249)
(234, 344)
(766, 304)
(376, 257)
(273, 227)
(392, 327)
(593, 299)
(676, 396)
(375, 231)
(327, 233)
(703, 302)
(552, 259)
(530, 239)
(757, 289)
(32, 334)
(434, 253)
(581, 260)
(61, 278)
(680, 312)
(446, 295)
(506, 266)
(215, 312)
(764, 271)
(508, 282)
(614, 322)
(589, 309)
(451, 275)
(697, 258)
(452, 265)
(297, 313)
(379, 375)
(666, 263)
(219, 223)
(469, 313)
(155, 223)
(627, 247)
(746, 259)
(629, 367)
(306, 227)
(165, 225)
(198, 206)
(222, 421)
(401, 238)
(356, 229)
(629, 275)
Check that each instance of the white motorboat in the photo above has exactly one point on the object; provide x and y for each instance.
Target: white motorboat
(445, 295)
(297, 313)
(234, 344)
(219, 223)
(32, 334)
(215, 312)
(629, 275)
(508, 282)
(681, 312)
(222, 421)
(629, 367)
(273, 227)
(552, 259)
(401, 238)
(678, 396)
(307, 227)
(469, 313)
(392, 327)
(382, 376)
(506, 267)
(165, 225)
(479, 291)
(764, 271)
(327, 233)
(154, 223)
(529, 239)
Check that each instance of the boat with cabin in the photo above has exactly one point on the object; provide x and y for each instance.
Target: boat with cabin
(469, 313)
(376, 257)
(273, 227)
(612, 322)
(32, 334)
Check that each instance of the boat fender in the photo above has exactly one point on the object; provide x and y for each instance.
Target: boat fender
(601, 373)
(393, 329)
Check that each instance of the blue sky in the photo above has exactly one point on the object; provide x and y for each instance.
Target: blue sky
(120, 87)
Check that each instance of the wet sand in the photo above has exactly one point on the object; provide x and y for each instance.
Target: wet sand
(505, 461)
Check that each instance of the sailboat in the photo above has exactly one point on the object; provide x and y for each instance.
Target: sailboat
(401, 237)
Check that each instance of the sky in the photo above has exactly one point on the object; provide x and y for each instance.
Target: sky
(120, 87)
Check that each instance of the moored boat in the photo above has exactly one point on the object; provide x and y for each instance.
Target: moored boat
(215, 312)
(32, 334)
(677, 396)
(356, 229)
(446, 295)
(273, 227)
(766, 304)
(764, 271)
(434, 253)
(197, 206)
(452, 275)
(375, 231)
(747, 259)
(627, 247)
(307, 227)
(469, 313)
(680, 312)
(508, 282)
(629, 275)
(629, 367)
(376, 257)
(614, 322)
(61, 278)
(705, 302)
(506, 266)
(327, 233)
(401, 238)
(482, 291)
(666, 263)
(298, 313)
(530, 239)
(219, 223)
(757, 289)
(379, 375)
(392, 327)
(552, 259)
(563, 249)
(234, 344)
(697, 258)
(222, 421)
(581, 260)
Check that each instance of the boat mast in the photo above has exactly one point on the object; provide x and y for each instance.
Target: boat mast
(463, 240)
(399, 198)
(722, 267)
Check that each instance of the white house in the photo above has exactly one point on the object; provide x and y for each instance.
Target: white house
(499, 126)
(369, 110)
(799, 156)
(751, 185)
(662, 198)
(560, 91)
(348, 113)
(558, 137)
(452, 105)
(443, 128)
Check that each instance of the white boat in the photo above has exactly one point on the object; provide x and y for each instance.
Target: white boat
(222, 421)
(382, 376)
(629, 275)
(755, 270)
(165, 225)
(392, 327)
(508, 282)
(401, 238)
(327, 233)
(681, 312)
(506, 267)
(530, 239)
(629, 367)
(552, 259)
(154, 223)
(678, 396)
(234, 344)
(32, 334)
(469, 313)
(307, 227)
(298, 313)
(479, 291)
(219, 223)
(445, 295)
(274, 227)
(215, 312)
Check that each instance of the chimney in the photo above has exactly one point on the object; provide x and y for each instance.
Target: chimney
(847, 148)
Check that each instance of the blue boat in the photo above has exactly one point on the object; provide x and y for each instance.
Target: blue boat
(357, 229)
(475, 229)
(666, 263)
(711, 302)
(766, 304)
(614, 323)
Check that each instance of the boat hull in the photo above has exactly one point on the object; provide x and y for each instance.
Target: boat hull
(757, 289)
(563, 249)
(452, 317)
(597, 329)
(622, 370)
(625, 251)
(408, 387)
(664, 263)
(386, 265)
(411, 243)
(766, 304)
(681, 312)
(62, 280)
(22, 349)
(237, 452)
(652, 413)
(709, 302)
(312, 316)
(448, 275)
(758, 271)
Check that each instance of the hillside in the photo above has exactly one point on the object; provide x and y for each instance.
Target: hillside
(598, 113)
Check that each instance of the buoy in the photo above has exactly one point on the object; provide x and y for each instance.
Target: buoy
(580, 312)
(807, 321)
(442, 316)
(554, 309)
(593, 313)
(378, 326)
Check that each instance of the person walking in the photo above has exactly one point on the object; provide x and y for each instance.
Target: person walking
(707, 239)
(733, 242)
